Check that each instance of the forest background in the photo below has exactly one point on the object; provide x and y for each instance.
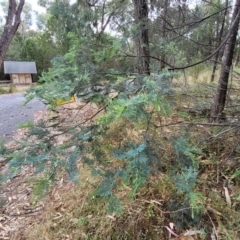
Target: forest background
(163, 143)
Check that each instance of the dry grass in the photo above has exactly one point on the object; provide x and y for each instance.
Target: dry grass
(14, 88)
(72, 212)
(76, 215)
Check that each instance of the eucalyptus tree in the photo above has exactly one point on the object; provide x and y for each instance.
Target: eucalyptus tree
(13, 20)
(220, 29)
(14, 49)
(41, 20)
(167, 26)
(227, 61)
(24, 31)
(142, 36)
(26, 20)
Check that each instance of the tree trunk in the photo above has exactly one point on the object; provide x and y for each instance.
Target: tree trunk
(12, 23)
(237, 60)
(141, 36)
(163, 55)
(219, 42)
(227, 59)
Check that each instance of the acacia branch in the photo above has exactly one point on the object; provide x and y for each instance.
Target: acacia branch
(156, 58)
(216, 50)
(76, 125)
(192, 24)
(172, 68)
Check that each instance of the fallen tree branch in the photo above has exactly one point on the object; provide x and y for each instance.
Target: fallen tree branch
(199, 123)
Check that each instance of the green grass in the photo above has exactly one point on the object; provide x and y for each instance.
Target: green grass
(25, 125)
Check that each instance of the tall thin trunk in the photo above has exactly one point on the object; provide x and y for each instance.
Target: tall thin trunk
(141, 37)
(163, 54)
(221, 93)
(237, 60)
(13, 21)
(219, 42)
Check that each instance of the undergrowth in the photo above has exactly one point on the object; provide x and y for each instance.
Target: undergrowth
(148, 166)
(12, 88)
(190, 200)
(186, 188)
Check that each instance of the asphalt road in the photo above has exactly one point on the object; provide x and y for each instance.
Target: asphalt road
(12, 113)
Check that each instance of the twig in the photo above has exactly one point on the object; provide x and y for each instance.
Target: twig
(230, 129)
(53, 136)
(198, 123)
(214, 227)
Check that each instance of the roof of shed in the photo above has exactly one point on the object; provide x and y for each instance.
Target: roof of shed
(19, 67)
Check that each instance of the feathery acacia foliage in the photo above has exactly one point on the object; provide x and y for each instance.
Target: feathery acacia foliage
(129, 161)
(121, 144)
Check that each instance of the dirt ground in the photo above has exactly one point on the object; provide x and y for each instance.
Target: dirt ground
(16, 209)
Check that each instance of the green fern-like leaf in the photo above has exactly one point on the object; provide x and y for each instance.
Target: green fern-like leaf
(196, 201)
(185, 181)
(186, 153)
(107, 185)
(72, 169)
(41, 188)
(31, 159)
(114, 205)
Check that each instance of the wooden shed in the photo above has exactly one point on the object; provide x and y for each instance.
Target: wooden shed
(20, 72)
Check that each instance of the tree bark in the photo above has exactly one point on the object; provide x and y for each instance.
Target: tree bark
(165, 10)
(13, 21)
(219, 42)
(227, 59)
(141, 37)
